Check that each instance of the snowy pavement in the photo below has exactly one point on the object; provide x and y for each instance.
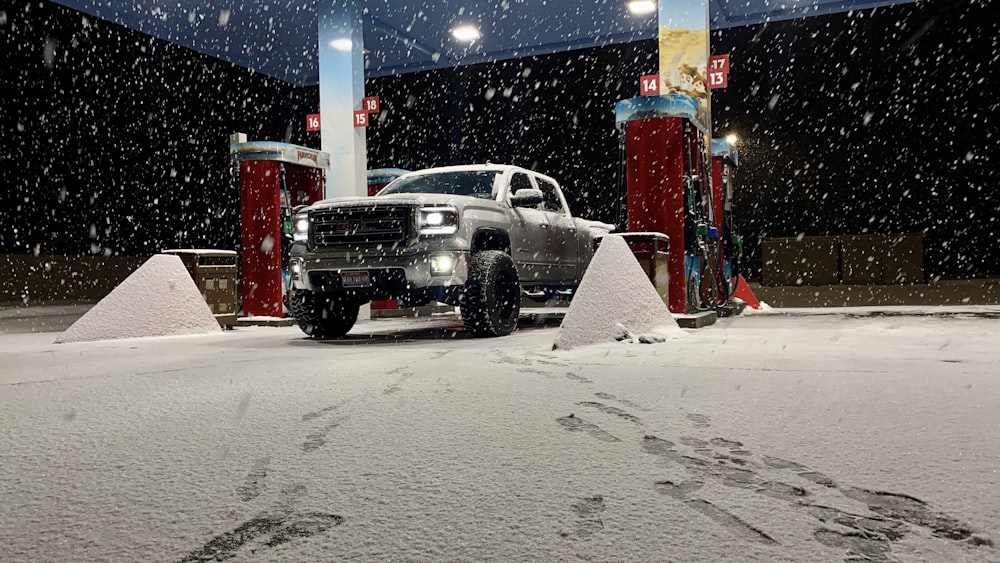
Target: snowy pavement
(806, 437)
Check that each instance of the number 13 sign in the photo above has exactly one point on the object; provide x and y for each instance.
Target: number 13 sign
(718, 72)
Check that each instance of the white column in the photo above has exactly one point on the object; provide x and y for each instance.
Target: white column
(341, 88)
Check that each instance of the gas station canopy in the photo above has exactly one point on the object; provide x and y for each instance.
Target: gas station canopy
(279, 37)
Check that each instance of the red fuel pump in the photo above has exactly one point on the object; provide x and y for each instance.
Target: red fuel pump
(724, 158)
(273, 178)
(380, 177)
(670, 191)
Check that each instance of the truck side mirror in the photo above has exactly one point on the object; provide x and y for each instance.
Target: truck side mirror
(527, 197)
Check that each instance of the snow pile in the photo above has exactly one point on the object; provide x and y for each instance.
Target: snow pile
(158, 299)
(615, 301)
(595, 228)
(764, 309)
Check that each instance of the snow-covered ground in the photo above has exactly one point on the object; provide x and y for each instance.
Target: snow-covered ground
(806, 437)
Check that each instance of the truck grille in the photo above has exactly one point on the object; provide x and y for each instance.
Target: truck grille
(361, 225)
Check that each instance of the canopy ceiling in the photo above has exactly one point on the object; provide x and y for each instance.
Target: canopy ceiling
(278, 37)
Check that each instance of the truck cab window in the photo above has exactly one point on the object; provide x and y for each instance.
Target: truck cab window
(551, 203)
(520, 181)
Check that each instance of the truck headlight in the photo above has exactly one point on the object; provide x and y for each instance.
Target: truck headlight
(438, 220)
(300, 228)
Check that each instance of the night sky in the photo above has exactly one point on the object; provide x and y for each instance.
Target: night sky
(878, 121)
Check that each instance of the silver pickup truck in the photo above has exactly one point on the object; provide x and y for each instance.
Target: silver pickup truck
(473, 236)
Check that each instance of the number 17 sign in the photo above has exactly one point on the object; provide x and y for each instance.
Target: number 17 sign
(718, 72)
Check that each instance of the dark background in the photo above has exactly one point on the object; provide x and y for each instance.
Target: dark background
(881, 121)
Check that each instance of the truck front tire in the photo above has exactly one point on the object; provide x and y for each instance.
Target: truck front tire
(323, 316)
(491, 302)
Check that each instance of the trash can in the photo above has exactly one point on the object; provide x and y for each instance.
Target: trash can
(214, 272)
(652, 251)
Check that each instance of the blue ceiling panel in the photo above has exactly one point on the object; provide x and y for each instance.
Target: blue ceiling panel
(278, 38)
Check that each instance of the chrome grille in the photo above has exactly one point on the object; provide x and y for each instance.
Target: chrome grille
(360, 225)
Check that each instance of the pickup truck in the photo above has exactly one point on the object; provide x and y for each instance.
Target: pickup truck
(476, 236)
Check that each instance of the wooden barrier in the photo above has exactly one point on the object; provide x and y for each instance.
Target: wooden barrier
(848, 259)
(87, 279)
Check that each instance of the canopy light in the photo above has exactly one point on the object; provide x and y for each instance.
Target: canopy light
(641, 7)
(344, 44)
(731, 139)
(466, 33)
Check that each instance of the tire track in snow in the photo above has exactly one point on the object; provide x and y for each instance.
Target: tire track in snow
(263, 532)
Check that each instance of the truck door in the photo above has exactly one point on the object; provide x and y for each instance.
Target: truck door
(528, 237)
(561, 238)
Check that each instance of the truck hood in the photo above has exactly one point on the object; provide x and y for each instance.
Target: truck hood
(400, 199)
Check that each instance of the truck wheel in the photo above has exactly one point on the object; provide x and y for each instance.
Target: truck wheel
(321, 316)
(492, 298)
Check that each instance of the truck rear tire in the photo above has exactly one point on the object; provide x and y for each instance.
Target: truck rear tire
(323, 316)
(491, 302)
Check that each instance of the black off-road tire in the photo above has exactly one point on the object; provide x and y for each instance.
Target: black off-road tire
(491, 301)
(322, 316)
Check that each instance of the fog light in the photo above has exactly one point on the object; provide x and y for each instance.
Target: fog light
(442, 264)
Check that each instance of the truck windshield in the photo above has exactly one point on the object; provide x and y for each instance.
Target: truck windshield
(475, 183)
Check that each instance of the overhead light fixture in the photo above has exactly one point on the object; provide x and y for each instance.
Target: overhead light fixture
(731, 139)
(343, 44)
(641, 7)
(467, 33)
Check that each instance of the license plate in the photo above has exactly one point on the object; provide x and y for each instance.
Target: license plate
(355, 279)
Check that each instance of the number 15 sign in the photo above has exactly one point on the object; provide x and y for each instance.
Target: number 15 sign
(369, 105)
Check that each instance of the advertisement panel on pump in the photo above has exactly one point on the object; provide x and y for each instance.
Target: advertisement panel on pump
(683, 43)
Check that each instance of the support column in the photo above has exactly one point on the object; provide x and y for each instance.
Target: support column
(341, 88)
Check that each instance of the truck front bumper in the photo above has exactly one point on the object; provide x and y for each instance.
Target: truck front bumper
(387, 276)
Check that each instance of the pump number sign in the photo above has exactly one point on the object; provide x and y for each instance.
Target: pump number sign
(312, 122)
(718, 72)
(369, 104)
(649, 85)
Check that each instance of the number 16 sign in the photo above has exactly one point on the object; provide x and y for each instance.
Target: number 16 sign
(312, 122)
